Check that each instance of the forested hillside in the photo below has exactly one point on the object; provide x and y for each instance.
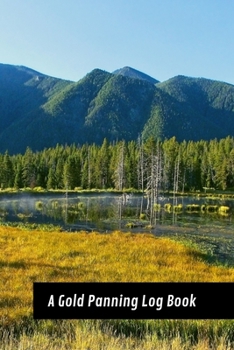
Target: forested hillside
(169, 164)
(39, 111)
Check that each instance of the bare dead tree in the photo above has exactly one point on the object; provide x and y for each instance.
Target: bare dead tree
(176, 184)
(141, 166)
(154, 180)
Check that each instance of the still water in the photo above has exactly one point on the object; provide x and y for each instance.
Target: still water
(105, 212)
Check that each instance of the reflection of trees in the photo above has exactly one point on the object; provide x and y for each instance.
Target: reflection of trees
(99, 210)
(122, 209)
(68, 210)
(108, 212)
(52, 209)
(73, 210)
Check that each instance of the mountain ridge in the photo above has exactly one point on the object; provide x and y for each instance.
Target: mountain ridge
(136, 74)
(39, 111)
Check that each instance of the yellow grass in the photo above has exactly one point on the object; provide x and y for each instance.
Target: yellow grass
(28, 256)
(34, 256)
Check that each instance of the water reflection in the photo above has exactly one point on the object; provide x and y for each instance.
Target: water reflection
(108, 211)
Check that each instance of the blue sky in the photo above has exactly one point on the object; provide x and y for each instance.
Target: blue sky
(163, 38)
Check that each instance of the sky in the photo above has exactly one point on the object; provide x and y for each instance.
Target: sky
(162, 38)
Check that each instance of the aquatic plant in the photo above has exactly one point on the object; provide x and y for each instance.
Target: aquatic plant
(149, 227)
(178, 208)
(24, 215)
(193, 207)
(54, 204)
(224, 209)
(130, 225)
(168, 207)
(81, 205)
(157, 206)
(39, 189)
(203, 208)
(212, 208)
(142, 216)
(39, 205)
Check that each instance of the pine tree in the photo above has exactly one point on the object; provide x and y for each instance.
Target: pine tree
(7, 176)
(51, 181)
(170, 153)
(29, 170)
(71, 173)
(18, 180)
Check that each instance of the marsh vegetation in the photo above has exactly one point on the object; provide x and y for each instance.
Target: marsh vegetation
(28, 256)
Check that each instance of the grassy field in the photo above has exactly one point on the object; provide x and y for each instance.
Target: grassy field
(28, 256)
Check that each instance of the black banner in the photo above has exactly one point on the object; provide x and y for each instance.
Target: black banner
(133, 300)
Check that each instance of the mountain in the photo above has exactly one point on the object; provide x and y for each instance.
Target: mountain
(40, 111)
(136, 74)
(22, 92)
(201, 108)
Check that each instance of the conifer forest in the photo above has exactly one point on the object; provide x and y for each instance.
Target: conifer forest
(166, 165)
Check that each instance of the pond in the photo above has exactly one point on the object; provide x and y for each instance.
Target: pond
(104, 212)
(199, 220)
